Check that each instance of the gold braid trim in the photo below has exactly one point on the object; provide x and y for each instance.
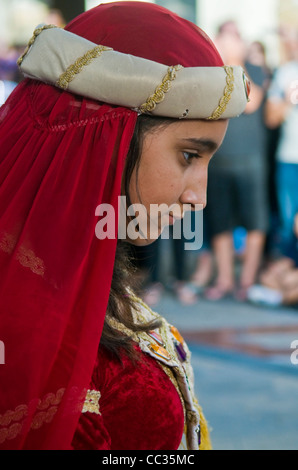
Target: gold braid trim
(75, 68)
(91, 403)
(160, 91)
(36, 32)
(223, 103)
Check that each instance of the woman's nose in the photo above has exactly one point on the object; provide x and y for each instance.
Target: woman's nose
(196, 193)
(195, 198)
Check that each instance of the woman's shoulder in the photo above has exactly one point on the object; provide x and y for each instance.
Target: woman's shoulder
(165, 343)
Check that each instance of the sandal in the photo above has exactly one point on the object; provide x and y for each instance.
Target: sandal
(217, 293)
(187, 293)
(240, 294)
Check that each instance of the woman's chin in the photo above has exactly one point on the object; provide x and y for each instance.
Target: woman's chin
(142, 241)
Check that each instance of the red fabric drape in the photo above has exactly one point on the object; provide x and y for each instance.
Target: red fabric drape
(60, 157)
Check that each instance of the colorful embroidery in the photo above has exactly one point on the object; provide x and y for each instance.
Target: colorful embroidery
(179, 371)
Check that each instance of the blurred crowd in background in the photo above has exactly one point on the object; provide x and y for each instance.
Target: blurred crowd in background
(250, 246)
(10, 75)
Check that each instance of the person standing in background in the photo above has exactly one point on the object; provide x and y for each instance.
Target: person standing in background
(237, 192)
(282, 111)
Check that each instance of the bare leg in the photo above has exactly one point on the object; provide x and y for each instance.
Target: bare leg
(223, 247)
(252, 258)
(290, 287)
(273, 276)
(204, 269)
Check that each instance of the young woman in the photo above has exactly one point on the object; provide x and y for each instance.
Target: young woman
(129, 100)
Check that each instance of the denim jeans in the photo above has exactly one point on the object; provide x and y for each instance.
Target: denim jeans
(287, 195)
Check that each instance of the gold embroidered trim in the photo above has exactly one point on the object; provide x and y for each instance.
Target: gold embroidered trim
(223, 103)
(36, 32)
(206, 443)
(91, 403)
(12, 421)
(7, 243)
(193, 417)
(75, 68)
(169, 345)
(172, 378)
(160, 91)
(25, 256)
(28, 259)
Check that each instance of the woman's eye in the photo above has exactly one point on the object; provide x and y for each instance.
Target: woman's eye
(188, 156)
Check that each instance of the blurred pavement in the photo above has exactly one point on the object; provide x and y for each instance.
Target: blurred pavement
(245, 380)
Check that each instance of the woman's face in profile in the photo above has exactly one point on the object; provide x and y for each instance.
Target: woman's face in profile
(172, 173)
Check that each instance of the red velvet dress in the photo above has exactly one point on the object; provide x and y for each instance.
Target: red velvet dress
(140, 408)
(148, 404)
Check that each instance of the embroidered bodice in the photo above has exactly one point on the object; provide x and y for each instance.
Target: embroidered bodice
(144, 405)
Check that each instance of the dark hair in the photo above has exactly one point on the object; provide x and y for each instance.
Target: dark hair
(120, 305)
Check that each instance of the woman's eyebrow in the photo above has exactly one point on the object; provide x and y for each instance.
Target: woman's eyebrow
(203, 145)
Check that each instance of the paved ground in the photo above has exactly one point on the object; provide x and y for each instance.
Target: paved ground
(245, 380)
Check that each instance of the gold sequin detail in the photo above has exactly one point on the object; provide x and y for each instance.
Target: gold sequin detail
(223, 103)
(71, 71)
(36, 32)
(91, 403)
(160, 91)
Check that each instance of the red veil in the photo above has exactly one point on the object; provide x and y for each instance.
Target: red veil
(61, 156)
